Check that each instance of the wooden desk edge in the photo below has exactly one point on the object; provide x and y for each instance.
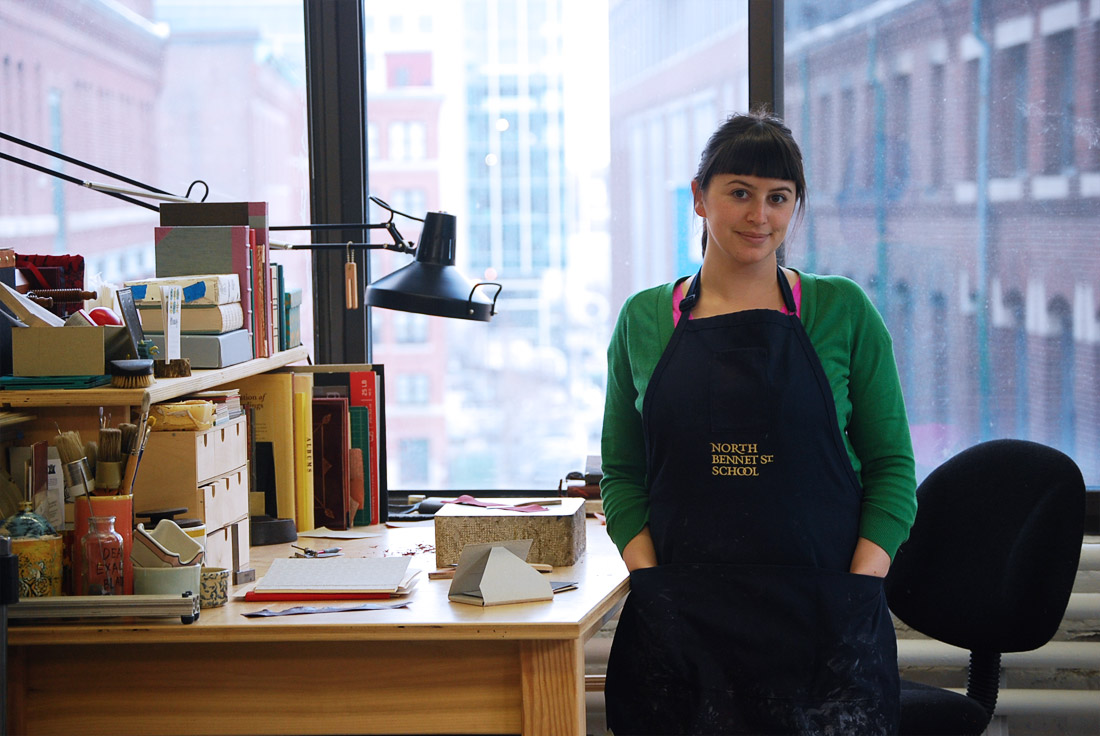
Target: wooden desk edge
(152, 632)
(173, 633)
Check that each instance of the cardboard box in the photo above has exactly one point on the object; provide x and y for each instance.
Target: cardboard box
(67, 351)
(180, 462)
(557, 533)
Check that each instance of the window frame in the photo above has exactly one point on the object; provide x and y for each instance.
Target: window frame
(336, 87)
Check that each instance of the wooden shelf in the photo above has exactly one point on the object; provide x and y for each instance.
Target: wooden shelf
(163, 389)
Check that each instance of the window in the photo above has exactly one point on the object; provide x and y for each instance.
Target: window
(898, 126)
(579, 201)
(1059, 98)
(413, 388)
(372, 141)
(991, 342)
(510, 133)
(1010, 113)
(413, 458)
(163, 93)
(410, 328)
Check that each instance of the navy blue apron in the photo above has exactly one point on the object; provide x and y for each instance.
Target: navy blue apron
(751, 622)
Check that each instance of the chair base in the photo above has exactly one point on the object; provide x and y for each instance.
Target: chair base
(933, 711)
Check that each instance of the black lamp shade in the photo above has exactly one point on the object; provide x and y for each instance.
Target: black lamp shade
(432, 284)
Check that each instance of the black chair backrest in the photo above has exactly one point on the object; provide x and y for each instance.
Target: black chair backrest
(991, 559)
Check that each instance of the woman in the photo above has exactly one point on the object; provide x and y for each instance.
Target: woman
(758, 476)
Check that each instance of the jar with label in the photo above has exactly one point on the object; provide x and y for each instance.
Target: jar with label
(102, 550)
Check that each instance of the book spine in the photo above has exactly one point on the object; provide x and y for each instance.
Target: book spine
(360, 440)
(197, 320)
(330, 462)
(364, 392)
(303, 459)
(259, 276)
(273, 284)
(257, 220)
(284, 338)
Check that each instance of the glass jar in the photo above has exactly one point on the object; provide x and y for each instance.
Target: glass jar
(102, 549)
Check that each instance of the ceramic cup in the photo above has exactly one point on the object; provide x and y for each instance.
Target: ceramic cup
(166, 580)
(215, 587)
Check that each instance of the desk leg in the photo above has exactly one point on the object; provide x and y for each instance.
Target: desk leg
(553, 687)
(17, 691)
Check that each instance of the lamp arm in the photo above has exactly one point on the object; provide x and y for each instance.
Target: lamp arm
(399, 244)
(74, 180)
(150, 191)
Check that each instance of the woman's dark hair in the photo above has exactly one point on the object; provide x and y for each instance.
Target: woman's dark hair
(756, 143)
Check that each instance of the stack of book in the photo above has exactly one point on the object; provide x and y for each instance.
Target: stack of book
(227, 403)
(318, 439)
(213, 333)
(223, 237)
(286, 305)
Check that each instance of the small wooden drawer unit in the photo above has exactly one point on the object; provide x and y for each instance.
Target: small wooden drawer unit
(186, 460)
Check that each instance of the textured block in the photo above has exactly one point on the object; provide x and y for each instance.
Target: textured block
(557, 533)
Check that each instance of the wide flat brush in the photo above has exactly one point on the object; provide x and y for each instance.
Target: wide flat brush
(108, 468)
(136, 373)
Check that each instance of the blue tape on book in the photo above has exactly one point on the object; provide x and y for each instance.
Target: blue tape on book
(195, 291)
(139, 291)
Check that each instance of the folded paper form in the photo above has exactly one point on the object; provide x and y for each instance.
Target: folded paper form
(496, 573)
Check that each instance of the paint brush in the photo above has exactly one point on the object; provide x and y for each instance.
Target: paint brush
(133, 450)
(108, 468)
(71, 450)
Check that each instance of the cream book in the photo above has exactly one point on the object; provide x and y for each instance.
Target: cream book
(335, 575)
(214, 319)
(208, 289)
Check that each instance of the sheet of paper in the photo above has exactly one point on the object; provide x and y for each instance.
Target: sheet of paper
(334, 575)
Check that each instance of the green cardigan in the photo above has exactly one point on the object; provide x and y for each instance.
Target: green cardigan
(857, 354)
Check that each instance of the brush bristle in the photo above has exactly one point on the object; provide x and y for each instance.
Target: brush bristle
(136, 373)
(132, 381)
(69, 446)
(110, 445)
(129, 437)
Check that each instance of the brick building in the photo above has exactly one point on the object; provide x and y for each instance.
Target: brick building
(953, 156)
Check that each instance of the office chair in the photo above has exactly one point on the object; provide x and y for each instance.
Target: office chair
(988, 567)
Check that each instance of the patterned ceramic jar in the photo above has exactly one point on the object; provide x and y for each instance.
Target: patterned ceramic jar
(214, 586)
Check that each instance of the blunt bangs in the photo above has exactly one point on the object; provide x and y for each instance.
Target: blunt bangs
(759, 152)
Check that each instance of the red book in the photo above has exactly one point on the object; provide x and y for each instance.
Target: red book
(331, 465)
(253, 596)
(364, 392)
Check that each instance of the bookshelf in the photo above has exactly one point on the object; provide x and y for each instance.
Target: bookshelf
(163, 389)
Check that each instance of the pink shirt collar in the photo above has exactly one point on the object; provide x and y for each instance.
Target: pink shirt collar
(796, 291)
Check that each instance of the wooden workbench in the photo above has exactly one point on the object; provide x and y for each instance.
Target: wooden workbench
(433, 667)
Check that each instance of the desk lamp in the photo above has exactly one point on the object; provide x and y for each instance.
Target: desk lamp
(431, 284)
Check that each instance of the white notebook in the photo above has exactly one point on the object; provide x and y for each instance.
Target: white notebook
(334, 575)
